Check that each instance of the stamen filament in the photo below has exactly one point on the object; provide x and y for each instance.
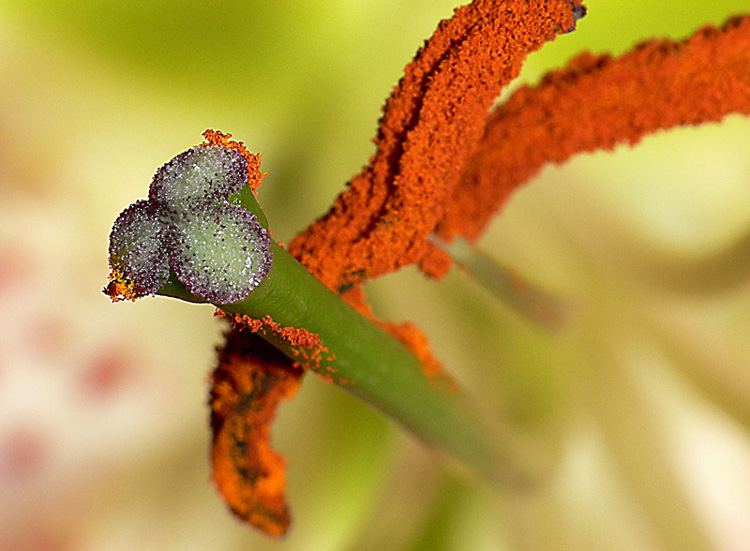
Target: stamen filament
(530, 300)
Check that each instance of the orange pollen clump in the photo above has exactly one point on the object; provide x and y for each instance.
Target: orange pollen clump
(119, 289)
(598, 102)
(431, 123)
(250, 381)
(254, 175)
(306, 345)
(411, 336)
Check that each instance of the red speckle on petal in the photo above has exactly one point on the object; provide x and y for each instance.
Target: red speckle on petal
(107, 373)
(48, 337)
(15, 268)
(32, 536)
(23, 453)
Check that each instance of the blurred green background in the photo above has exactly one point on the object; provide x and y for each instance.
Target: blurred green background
(651, 243)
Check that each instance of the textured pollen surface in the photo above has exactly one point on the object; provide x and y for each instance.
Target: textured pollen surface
(432, 122)
(596, 103)
(137, 248)
(221, 252)
(199, 175)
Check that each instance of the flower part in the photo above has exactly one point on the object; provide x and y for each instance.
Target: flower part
(137, 252)
(199, 175)
(579, 12)
(251, 379)
(219, 251)
(598, 102)
(424, 175)
(431, 123)
(254, 175)
(304, 345)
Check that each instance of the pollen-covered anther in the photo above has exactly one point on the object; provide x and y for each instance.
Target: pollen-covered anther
(202, 174)
(220, 252)
(137, 253)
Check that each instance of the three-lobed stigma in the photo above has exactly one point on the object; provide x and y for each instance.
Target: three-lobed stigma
(219, 251)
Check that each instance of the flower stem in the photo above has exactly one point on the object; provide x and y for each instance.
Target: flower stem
(362, 357)
(533, 302)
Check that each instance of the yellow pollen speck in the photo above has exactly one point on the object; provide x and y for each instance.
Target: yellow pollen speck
(120, 289)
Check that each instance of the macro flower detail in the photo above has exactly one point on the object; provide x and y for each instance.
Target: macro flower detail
(218, 250)
(246, 389)
(596, 103)
(445, 162)
(136, 252)
(199, 176)
(431, 123)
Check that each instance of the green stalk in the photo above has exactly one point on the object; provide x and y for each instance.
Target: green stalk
(532, 302)
(366, 360)
(202, 237)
